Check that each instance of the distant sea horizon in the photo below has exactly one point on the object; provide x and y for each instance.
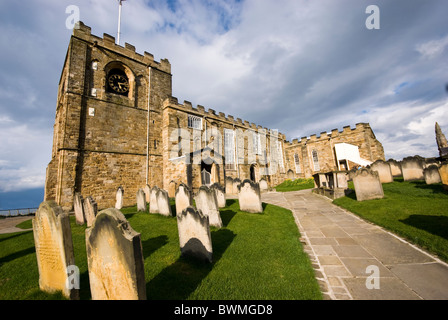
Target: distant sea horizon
(30, 198)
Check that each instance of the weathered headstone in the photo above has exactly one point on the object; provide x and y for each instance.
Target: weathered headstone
(172, 189)
(54, 249)
(90, 210)
(206, 202)
(229, 185)
(163, 203)
(263, 185)
(395, 167)
(412, 168)
(147, 190)
(220, 194)
(384, 171)
(367, 185)
(183, 198)
(443, 171)
(153, 208)
(235, 185)
(431, 174)
(249, 197)
(119, 198)
(115, 258)
(79, 209)
(141, 200)
(194, 234)
(341, 179)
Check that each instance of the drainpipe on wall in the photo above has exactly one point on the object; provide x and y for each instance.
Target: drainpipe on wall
(147, 126)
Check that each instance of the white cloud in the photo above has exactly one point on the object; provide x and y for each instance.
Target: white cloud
(432, 48)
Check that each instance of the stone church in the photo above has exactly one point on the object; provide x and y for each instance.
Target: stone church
(117, 124)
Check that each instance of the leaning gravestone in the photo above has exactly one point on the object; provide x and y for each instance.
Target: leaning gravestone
(206, 202)
(367, 185)
(431, 174)
(90, 210)
(220, 194)
(163, 203)
(249, 197)
(54, 249)
(412, 168)
(194, 234)
(115, 258)
(153, 208)
(119, 198)
(79, 209)
(384, 171)
(141, 200)
(183, 198)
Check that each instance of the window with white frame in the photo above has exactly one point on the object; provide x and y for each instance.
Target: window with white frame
(256, 143)
(315, 161)
(297, 163)
(229, 149)
(194, 122)
(280, 156)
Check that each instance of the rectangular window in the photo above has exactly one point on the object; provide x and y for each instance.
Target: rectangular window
(194, 122)
(256, 143)
(229, 149)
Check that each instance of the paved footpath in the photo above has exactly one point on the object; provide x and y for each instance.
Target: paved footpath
(8, 225)
(342, 246)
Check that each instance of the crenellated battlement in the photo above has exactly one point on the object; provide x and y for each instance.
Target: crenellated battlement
(324, 136)
(84, 32)
(210, 114)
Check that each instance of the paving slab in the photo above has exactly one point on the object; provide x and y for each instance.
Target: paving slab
(342, 246)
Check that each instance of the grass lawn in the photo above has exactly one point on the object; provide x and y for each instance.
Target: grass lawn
(412, 209)
(295, 185)
(255, 256)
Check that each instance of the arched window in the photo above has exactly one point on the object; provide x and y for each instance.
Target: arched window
(315, 161)
(297, 163)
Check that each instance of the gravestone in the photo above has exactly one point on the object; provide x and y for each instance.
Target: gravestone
(194, 234)
(431, 174)
(220, 194)
(54, 249)
(153, 208)
(384, 171)
(172, 189)
(341, 179)
(263, 185)
(183, 198)
(367, 185)
(412, 168)
(90, 210)
(443, 171)
(147, 190)
(229, 185)
(206, 202)
(163, 203)
(119, 198)
(395, 167)
(236, 183)
(79, 209)
(141, 200)
(115, 258)
(249, 197)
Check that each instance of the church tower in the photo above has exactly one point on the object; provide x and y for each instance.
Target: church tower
(107, 130)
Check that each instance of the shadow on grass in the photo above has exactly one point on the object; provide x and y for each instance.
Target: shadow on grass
(436, 225)
(151, 245)
(17, 255)
(435, 188)
(179, 280)
(226, 216)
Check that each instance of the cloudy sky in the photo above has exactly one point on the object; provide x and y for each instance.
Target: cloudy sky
(299, 66)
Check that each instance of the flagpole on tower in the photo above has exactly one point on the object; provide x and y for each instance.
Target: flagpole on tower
(119, 20)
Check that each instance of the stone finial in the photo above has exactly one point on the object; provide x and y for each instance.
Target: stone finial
(442, 143)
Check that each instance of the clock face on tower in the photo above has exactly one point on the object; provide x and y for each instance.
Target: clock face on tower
(118, 83)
